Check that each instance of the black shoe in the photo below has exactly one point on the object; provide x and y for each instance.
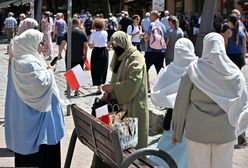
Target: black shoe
(76, 93)
(98, 92)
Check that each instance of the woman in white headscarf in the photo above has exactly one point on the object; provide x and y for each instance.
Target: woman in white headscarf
(33, 116)
(164, 93)
(211, 105)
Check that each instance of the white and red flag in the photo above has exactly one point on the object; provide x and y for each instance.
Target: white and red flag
(76, 77)
(102, 114)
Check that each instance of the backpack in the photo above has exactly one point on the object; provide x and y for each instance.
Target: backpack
(111, 24)
(88, 24)
(157, 40)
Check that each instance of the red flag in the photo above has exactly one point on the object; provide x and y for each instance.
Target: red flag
(102, 114)
(75, 77)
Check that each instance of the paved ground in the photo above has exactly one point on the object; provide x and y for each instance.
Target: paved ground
(82, 155)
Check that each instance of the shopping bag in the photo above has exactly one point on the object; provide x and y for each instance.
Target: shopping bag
(127, 132)
(87, 66)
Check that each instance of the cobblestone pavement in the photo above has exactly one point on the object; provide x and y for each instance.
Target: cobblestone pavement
(82, 155)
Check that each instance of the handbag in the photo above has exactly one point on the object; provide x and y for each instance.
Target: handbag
(127, 131)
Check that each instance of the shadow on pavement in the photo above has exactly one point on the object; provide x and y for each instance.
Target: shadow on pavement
(3, 39)
(4, 152)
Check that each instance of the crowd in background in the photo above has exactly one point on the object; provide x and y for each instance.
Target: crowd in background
(139, 43)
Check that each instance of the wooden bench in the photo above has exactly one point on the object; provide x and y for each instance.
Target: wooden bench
(104, 142)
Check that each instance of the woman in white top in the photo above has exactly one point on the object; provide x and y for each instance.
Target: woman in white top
(99, 56)
(135, 31)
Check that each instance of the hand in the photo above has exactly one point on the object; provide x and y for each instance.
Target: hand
(107, 88)
(51, 67)
(173, 141)
(104, 97)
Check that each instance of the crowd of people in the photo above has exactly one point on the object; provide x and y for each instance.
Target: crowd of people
(206, 96)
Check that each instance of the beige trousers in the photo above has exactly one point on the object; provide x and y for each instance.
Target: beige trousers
(202, 155)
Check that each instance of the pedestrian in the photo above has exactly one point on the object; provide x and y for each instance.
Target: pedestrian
(60, 29)
(79, 45)
(163, 94)
(124, 22)
(173, 34)
(145, 23)
(135, 31)
(165, 19)
(155, 37)
(88, 25)
(34, 122)
(235, 41)
(46, 29)
(99, 56)
(129, 82)
(10, 25)
(211, 105)
(111, 25)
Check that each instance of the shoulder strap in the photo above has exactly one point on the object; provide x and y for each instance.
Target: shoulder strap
(132, 28)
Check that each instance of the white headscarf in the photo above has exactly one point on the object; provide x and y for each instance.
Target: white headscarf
(165, 89)
(28, 23)
(33, 82)
(218, 77)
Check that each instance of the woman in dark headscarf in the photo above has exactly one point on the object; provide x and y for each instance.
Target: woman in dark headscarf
(129, 82)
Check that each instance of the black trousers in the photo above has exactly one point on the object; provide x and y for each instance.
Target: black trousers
(237, 59)
(137, 45)
(48, 156)
(99, 65)
(167, 119)
(156, 59)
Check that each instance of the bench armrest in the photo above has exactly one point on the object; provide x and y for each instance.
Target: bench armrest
(146, 152)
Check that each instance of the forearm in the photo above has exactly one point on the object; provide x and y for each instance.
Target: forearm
(244, 48)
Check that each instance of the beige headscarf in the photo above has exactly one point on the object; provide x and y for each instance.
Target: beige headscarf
(122, 40)
(218, 77)
(33, 82)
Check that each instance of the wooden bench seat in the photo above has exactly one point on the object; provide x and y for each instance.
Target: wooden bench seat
(104, 142)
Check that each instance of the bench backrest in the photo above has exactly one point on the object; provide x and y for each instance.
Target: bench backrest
(97, 136)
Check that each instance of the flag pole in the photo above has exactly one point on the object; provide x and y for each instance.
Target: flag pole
(69, 21)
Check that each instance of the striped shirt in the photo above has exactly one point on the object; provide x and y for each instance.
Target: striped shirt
(10, 22)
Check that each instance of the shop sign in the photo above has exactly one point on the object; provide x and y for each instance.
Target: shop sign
(158, 5)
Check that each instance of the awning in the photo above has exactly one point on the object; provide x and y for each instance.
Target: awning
(22, 2)
(5, 4)
(242, 2)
